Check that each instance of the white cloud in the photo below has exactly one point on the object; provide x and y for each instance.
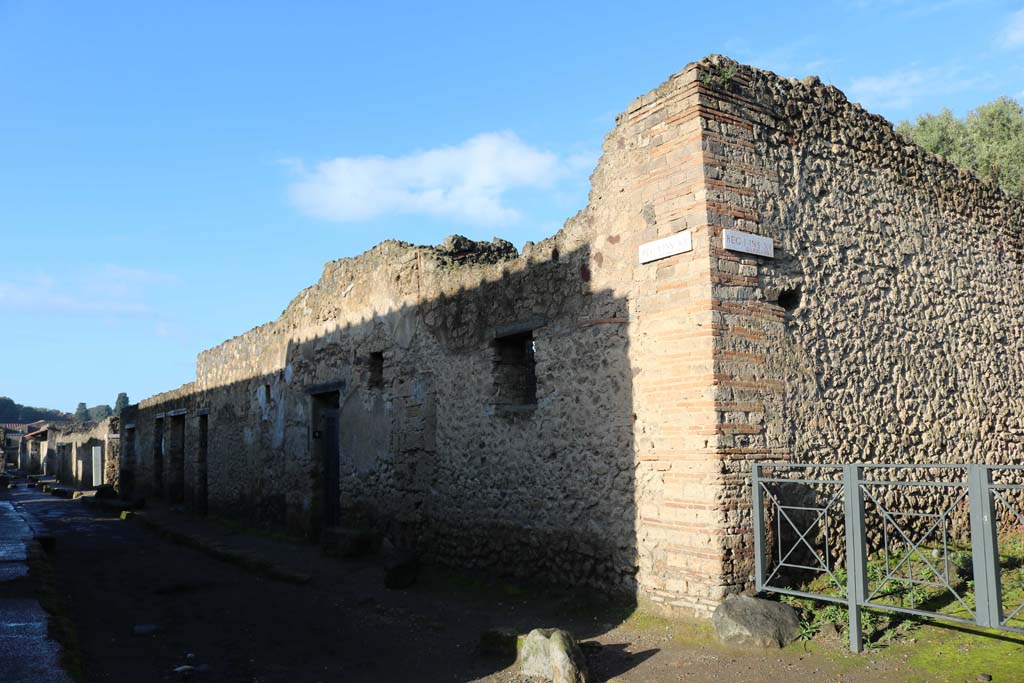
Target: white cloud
(898, 89)
(1013, 33)
(108, 291)
(465, 182)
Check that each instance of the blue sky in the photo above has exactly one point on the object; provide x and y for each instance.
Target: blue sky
(172, 173)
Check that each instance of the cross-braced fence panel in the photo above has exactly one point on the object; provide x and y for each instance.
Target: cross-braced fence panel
(943, 541)
(918, 540)
(1007, 491)
(803, 513)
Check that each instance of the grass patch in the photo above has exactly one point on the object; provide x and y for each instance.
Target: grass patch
(645, 618)
(931, 570)
(930, 650)
(952, 654)
(687, 631)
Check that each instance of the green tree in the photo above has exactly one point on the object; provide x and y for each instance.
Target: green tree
(9, 410)
(988, 141)
(121, 403)
(997, 129)
(100, 412)
(15, 412)
(81, 413)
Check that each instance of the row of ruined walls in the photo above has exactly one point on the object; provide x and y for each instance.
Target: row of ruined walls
(883, 330)
(70, 454)
(567, 489)
(427, 456)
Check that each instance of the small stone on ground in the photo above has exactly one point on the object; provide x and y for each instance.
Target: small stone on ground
(552, 654)
(744, 621)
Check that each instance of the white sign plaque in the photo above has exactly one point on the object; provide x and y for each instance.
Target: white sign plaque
(734, 240)
(679, 243)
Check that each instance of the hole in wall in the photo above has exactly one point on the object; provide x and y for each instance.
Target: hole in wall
(376, 369)
(789, 299)
(515, 373)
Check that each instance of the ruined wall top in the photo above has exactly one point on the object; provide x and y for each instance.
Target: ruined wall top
(397, 275)
(803, 114)
(357, 291)
(89, 430)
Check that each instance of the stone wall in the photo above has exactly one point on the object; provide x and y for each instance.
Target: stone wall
(883, 329)
(571, 487)
(428, 454)
(73, 453)
(887, 326)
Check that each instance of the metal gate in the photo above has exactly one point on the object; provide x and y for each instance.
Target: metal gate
(940, 541)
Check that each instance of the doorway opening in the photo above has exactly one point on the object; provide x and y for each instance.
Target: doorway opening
(158, 458)
(176, 461)
(326, 508)
(128, 464)
(201, 500)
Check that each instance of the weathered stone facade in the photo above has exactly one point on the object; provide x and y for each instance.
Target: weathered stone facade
(75, 451)
(572, 414)
(887, 327)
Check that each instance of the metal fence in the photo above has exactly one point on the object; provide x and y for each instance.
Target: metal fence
(939, 541)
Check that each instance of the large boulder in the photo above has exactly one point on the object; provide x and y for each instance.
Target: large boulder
(745, 621)
(552, 654)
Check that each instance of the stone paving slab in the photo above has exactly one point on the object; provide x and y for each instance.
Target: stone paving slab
(13, 526)
(13, 551)
(14, 531)
(10, 571)
(27, 654)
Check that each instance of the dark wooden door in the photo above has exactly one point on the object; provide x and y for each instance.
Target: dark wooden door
(202, 457)
(331, 455)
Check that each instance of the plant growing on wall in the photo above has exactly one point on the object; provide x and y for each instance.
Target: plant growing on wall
(719, 74)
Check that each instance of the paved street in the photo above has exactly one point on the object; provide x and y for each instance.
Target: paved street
(27, 653)
(228, 624)
(145, 608)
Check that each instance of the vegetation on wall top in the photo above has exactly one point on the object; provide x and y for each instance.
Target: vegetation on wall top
(988, 141)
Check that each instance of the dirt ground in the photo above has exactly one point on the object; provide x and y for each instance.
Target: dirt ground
(118, 578)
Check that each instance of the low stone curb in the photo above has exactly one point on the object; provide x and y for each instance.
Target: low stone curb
(106, 504)
(248, 561)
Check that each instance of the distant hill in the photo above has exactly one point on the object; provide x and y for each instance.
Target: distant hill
(15, 412)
